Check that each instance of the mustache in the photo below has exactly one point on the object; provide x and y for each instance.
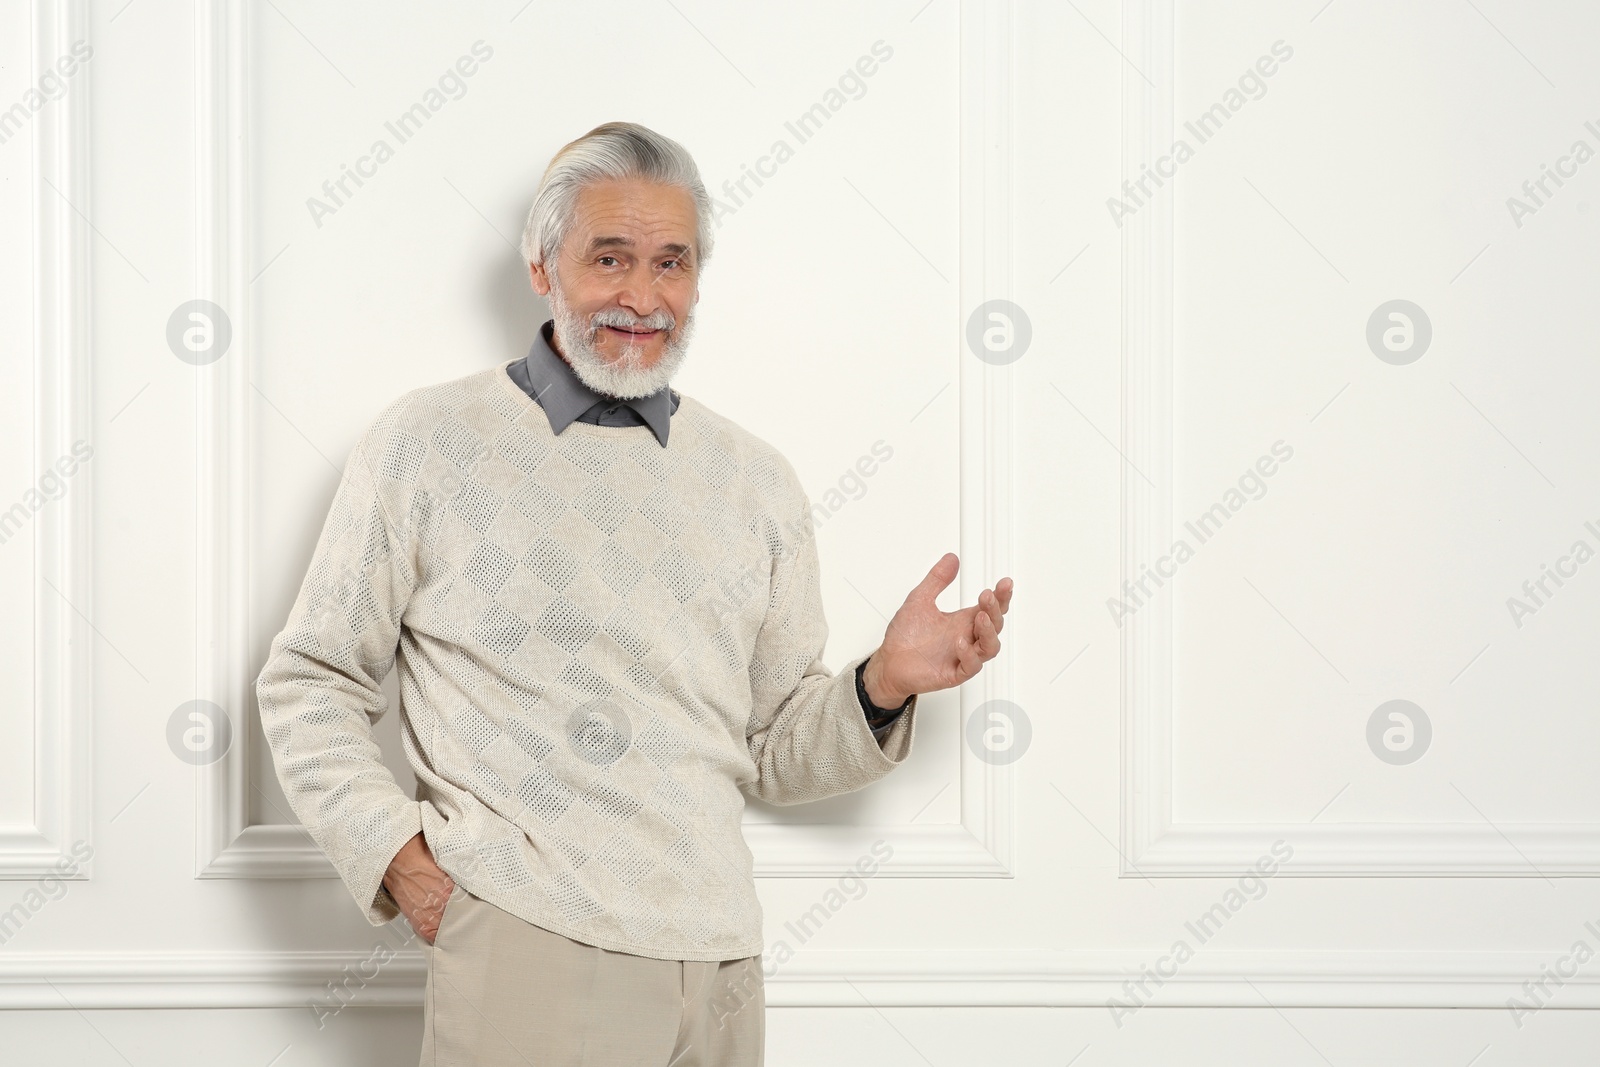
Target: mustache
(661, 320)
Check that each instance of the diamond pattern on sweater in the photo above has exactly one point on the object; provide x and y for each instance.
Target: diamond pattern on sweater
(520, 448)
(540, 504)
(578, 907)
(594, 457)
(545, 795)
(489, 566)
(713, 463)
(639, 919)
(475, 730)
(603, 506)
(679, 572)
(566, 626)
(583, 681)
(552, 563)
(477, 505)
(665, 511)
(402, 460)
(616, 567)
(489, 784)
(503, 861)
(627, 629)
(627, 858)
(456, 443)
(501, 631)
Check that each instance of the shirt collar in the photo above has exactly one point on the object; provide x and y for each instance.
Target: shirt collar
(564, 396)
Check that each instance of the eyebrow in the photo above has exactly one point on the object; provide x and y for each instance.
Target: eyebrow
(627, 242)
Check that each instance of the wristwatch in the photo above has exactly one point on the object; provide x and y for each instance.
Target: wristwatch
(876, 716)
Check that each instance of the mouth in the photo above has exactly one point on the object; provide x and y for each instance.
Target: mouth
(627, 334)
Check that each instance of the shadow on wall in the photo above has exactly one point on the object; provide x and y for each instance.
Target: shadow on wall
(510, 302)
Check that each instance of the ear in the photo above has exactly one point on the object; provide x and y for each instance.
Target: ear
(539, 279)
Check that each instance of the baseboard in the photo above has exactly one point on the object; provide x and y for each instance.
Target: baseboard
(331, 981)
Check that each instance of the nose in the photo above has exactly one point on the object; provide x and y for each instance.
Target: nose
(639, 294)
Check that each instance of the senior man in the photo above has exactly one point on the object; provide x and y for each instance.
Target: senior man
(603, 599)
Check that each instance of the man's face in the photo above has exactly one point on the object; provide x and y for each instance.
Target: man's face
(623, 286)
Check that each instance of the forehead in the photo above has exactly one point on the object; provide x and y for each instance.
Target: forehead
(632, 213)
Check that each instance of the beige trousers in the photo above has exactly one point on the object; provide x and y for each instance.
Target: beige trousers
(505, 993)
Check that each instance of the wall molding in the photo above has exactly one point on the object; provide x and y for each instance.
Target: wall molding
(62, 580)
(227, 845)
(921, 978)
(1152, 842)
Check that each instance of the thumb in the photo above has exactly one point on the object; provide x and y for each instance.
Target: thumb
(942, 574)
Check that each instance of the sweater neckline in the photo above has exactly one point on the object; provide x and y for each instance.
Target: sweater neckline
(503, 376)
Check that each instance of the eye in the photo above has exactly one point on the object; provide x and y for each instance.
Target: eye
(602, 259)
(670, 264)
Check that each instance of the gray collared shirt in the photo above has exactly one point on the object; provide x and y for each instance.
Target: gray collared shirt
(566, 399)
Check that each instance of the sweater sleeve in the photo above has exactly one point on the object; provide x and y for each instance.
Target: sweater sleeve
(319, 691)
(808, 735)
(880, 719)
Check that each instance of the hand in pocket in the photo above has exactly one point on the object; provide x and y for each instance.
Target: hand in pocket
(419, 886)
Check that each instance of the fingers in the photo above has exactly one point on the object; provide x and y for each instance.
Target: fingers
(989, 603)
(999, 600)
(940, 576)
(432, 915)
(968, 657)
(994, 605)
(986, 634)
(969, 665)
(977, 646)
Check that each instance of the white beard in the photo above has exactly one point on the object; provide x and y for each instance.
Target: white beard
(622, 377)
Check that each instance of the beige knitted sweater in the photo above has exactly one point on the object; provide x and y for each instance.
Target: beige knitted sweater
(603, 644)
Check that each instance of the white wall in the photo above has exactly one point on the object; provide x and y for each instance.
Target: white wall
(1175, 339)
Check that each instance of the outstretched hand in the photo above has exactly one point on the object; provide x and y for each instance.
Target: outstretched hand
(925, 649)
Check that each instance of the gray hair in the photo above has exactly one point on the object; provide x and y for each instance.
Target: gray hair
(616, 150)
